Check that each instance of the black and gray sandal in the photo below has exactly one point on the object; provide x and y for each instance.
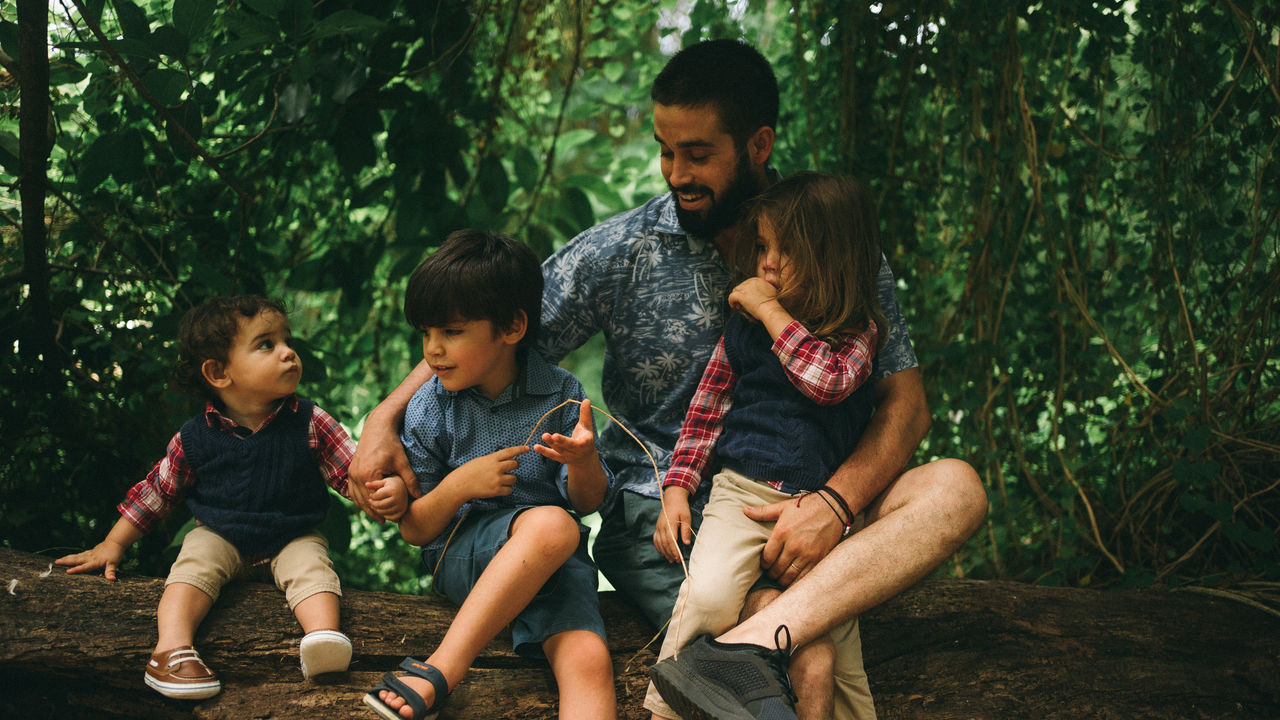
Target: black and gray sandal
(391, 683)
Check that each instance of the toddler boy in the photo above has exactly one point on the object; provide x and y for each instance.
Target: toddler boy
(252, 468)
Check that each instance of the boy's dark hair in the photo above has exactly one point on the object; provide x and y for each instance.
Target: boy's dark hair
(477, 275)
(208, 331)
(730, 76)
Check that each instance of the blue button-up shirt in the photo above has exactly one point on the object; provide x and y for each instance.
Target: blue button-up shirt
(443, 430)
(658, 295)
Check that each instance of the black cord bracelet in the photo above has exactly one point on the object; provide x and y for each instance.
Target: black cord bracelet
(848, 514)
(848, 524)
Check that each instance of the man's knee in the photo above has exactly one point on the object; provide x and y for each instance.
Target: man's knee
(961, 492)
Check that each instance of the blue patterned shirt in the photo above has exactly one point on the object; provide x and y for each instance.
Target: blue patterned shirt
(658, 294)
(443, 430)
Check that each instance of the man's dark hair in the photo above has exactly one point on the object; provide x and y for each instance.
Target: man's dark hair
(207, 332)
(730, 76)
(477, 275)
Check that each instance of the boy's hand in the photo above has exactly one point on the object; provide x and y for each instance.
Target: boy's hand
(751, 295)
(675, 525)
(580, 449)
(105, 554)
(389, 497)
(491, 475)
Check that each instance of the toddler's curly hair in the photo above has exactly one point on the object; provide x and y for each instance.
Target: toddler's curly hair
(207, 332)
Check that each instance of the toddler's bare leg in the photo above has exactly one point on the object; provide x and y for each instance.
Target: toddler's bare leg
(182, 608)
(317, 612)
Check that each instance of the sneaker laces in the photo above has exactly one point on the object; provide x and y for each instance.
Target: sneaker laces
(779, 660)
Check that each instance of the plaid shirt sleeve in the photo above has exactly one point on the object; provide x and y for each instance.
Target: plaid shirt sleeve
(332, 447)
(151, 500)
(824, 374)
(702, 424)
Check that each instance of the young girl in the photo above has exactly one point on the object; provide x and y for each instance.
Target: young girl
(781, 404)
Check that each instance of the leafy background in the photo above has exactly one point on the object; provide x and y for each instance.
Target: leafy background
(1080, 200)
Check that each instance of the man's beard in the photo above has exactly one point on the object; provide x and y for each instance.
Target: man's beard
(725, 210)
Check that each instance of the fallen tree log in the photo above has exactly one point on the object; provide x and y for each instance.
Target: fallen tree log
(74, 646)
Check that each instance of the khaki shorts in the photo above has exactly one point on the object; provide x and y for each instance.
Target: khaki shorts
(301, 569)
(723, 567)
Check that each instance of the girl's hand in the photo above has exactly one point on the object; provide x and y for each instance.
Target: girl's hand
(105, 554)
(491, 475)
(751, 295)
(675, 525)
(389, 496)
(578, 449)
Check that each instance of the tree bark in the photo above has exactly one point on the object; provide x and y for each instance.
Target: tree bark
(33, 156)
(74, 646)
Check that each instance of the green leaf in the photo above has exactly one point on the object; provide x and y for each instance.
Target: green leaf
(348, 22)
(97, 161)
(526, 167)
(130, 157)
(9, 39)
(187, 115)
(295, 101)
(268, 8)
(166, 85)
(9, 152)
(1196, 440)
(495, 186)
(193, 17)
(133, 21)
(168, 40)
(596, 185)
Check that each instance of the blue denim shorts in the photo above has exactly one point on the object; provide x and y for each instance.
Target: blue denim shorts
(568, 601)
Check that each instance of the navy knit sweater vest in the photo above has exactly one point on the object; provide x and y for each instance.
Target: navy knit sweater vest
(258, 492)
(773, 432)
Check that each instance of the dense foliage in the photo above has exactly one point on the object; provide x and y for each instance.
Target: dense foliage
(1080, 198)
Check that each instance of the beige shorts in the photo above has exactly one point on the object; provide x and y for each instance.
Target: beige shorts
(301, 569)
(724, 565)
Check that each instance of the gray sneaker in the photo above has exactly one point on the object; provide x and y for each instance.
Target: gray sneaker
(708, 680)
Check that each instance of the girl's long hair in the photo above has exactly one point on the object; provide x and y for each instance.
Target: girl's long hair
(827, 225)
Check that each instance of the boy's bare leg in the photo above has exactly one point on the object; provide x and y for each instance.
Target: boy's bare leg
(542, 539)
(812, 667)
(317, 612)
(583, 669)
(182, 608)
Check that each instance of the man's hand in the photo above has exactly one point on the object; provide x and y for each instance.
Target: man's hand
(675, 525)
(379, 454)
(805, 531)
(487, 476)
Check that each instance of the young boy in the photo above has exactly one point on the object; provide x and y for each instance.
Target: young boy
(499, 527)
(252, 467)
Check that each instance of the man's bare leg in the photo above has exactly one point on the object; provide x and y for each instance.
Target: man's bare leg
(913, 526)
(812, 668)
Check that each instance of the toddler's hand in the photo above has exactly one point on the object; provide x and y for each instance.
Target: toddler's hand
(389, 496)
(751, 294)
(675, 525)
(580, 449)
(105, 554)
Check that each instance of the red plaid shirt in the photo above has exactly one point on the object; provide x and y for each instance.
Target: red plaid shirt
(824, 374)
(148, 502)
